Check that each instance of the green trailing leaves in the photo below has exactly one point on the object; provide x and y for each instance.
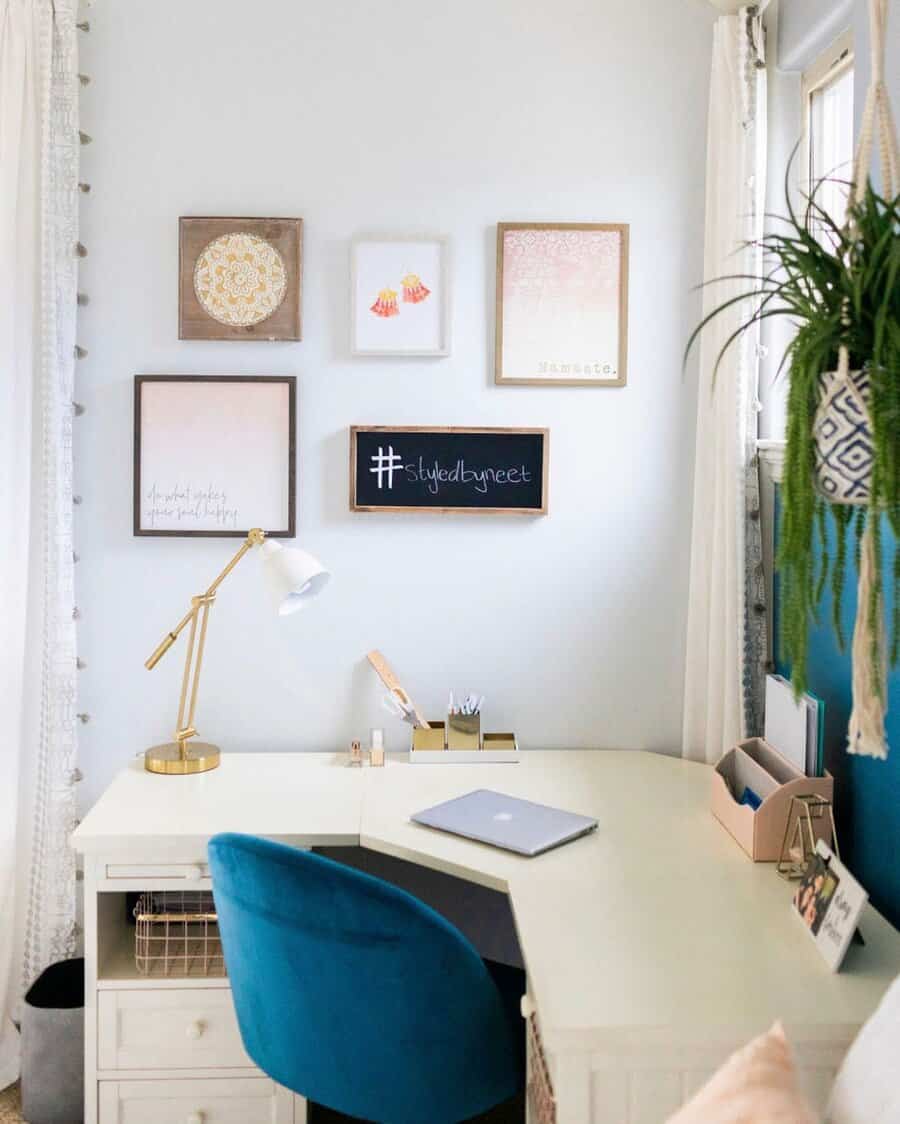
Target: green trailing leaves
(839, 285)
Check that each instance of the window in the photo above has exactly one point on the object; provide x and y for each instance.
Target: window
(828, 134)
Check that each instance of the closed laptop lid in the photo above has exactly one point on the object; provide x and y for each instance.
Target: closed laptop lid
(506, 821)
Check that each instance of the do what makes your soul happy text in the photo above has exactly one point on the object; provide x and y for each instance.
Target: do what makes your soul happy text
(434, 474)
(181, 503)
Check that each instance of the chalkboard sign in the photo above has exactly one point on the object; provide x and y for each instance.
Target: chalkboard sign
(480, 470)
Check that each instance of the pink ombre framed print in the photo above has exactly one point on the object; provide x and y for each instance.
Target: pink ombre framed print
(215, 455)
(562, 304)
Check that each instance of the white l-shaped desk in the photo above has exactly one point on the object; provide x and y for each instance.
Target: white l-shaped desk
(652, 947)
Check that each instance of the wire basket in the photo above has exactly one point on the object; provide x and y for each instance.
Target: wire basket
(177, 934)
(539, 1087)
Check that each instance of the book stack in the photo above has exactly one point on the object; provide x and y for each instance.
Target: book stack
(795, 727)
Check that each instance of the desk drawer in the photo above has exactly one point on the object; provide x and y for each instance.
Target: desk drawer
(254, 1100)
(177, 872)
(189, 1028)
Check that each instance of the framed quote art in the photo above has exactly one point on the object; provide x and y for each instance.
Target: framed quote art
(400, 296)
(239, 279)
(214, 455)
(562, 304)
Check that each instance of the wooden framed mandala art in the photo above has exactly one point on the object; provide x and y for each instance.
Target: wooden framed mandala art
(239, 278)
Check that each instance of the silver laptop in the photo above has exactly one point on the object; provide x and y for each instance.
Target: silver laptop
(505, 821)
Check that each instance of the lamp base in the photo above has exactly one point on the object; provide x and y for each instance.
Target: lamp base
(198, 757)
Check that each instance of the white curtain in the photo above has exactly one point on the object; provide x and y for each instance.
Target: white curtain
(39, 145)
(725, 657)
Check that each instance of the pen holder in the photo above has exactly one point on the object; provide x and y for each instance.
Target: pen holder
(464, 731)
(431, 739)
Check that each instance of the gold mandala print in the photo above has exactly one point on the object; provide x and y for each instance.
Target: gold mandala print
(239, 279)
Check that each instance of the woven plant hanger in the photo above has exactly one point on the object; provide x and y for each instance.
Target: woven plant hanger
(865, 735)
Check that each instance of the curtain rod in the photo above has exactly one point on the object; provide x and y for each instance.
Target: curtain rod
(756, 35)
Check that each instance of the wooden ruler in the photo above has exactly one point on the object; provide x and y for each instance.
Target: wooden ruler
(390, 680)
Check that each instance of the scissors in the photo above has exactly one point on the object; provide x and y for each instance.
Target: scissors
(397, 703)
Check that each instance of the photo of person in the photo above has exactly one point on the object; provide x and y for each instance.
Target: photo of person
(815, 893)
(829, 902)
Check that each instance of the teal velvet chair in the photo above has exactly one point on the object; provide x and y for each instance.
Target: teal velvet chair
(356, 994)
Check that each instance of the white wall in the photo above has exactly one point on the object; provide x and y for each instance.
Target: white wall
(806, 27)
(402, 117)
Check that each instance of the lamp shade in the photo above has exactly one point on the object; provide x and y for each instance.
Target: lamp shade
(291, 576)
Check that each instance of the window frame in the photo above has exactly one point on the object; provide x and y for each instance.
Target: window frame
(837, 58)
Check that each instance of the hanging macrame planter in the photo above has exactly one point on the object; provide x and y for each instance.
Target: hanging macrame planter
(843, 440)
(843, 435)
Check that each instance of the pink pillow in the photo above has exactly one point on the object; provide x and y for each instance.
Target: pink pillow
(757, 1085)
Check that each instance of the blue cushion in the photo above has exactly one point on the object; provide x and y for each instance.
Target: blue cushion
(354, 993)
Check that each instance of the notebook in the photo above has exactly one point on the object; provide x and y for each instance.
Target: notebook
(795, 727)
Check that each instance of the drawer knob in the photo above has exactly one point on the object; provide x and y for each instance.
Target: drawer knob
(195, 1029)
(195, 1118)
(194, 873)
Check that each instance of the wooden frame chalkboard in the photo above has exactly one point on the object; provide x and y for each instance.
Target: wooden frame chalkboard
(474, 467)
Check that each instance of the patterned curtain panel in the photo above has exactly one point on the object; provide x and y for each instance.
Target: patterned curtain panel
(726, 635)
(39, 147)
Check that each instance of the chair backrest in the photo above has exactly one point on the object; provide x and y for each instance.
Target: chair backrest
(867, 1087)
(355, 994)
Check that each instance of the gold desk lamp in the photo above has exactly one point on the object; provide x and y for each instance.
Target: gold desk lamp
(293, 577)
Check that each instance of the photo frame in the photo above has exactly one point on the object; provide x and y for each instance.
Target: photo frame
(561, 304)
(239, 278)
(400, 296)
(829, 902)
(214, 455)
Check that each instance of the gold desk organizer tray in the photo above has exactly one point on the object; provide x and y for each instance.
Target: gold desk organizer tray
(458, 740)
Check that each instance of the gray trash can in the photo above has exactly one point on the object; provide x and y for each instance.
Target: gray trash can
(53, 1046)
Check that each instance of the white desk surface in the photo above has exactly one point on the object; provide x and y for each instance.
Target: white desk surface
(309, 798)
(656, 922)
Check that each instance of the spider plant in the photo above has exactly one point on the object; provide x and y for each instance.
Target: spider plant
(837, 285)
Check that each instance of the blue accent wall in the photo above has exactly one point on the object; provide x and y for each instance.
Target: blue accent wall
(867, 792)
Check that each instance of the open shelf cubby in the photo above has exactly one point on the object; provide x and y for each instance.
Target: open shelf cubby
(192, 959)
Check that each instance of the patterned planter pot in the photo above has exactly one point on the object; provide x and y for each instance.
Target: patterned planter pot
(842, 433)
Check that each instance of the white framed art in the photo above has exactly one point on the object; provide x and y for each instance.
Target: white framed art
(400, 295)
(214, 455)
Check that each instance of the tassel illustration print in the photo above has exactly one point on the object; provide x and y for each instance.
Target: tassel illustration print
(413, 290)
(386, 305)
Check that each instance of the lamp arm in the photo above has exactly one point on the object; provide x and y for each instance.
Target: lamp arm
(254, 538)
